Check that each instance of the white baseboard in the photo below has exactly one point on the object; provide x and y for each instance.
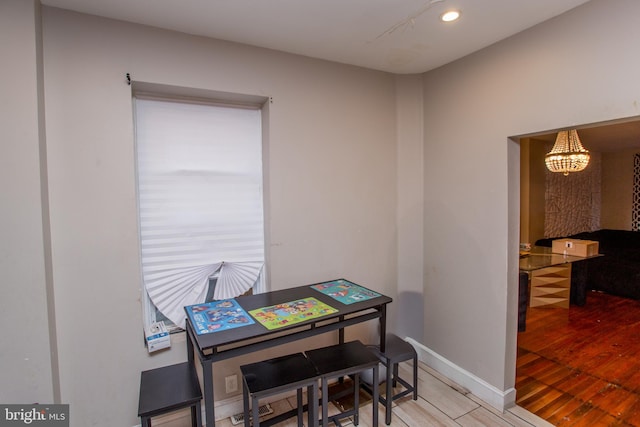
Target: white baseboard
(228, 407)
(223, 409)
(501, 400)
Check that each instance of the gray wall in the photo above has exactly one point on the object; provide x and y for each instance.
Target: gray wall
(574, 69)
(331, 192)
(617, 189)
(410, 186)
(532, 198)
(25, 351)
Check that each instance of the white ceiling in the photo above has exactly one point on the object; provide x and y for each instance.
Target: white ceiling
(398, 36)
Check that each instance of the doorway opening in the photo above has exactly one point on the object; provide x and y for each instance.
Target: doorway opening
(579, 363)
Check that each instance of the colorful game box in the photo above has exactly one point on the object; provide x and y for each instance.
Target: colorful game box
(345, 291)
(217, 316)
(290, 313)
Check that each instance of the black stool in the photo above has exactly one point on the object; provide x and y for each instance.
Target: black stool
(167, 389)
(396, 350)
(339, 360)
(269, 377)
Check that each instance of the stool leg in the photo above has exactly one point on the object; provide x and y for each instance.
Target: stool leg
(356, 398)
(245, 404)
(196, 415)
(389, 393)
(376, 397)
(325, 402)
(395, 375)
(312, 402)
(145, 421)
(255, 408)
(415, 378)
(300, 406)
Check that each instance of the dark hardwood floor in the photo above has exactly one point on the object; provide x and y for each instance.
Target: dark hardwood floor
(581, 366)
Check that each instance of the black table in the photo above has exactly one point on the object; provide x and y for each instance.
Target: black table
(222, 345)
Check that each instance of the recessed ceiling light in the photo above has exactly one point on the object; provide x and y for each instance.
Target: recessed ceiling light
(450, 15)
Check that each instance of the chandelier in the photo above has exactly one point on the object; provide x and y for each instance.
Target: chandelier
(567, 154)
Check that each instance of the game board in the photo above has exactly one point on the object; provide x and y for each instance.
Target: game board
(290, 313)
(217, 316)
(345, 291)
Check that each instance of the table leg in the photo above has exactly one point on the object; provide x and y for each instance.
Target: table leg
(383, 328)
(207, 378)
(341, 341)
(190, 355)
(579, 278)
(191, 359)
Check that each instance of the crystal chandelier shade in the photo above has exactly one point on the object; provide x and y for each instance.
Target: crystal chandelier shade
(567, 154)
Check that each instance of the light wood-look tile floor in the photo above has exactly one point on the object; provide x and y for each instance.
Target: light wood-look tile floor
(440, 403)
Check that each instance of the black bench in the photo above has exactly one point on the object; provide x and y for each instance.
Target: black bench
(348, 359)
(278, 375)
(396, 350)
(168, 389)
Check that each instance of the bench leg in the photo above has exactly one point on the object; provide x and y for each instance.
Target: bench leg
(376, 397)
(312, 404)
(415, 378)
(255, 408)
(325, 402)
(300, 407)
(389, 393)
(245, 404)
(356, 398)
(196, 415)
(395, 375)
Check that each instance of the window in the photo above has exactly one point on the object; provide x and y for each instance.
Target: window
(200, 204)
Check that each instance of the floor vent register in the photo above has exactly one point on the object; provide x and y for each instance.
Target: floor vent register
(262, 410)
